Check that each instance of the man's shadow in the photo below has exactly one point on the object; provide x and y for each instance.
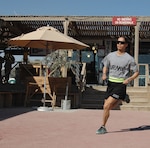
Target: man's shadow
(140, 128)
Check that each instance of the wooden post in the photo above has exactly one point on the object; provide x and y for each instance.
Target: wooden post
(64, 68)
(136, 49)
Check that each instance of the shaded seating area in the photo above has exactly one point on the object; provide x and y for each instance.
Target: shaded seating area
(54, 90)
(29, 89)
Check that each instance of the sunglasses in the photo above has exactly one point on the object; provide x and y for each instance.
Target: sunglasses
(121, 42)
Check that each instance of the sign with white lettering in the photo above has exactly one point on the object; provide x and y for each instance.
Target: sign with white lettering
(131, 21)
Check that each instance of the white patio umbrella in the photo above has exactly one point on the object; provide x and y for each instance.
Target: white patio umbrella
(47, 38)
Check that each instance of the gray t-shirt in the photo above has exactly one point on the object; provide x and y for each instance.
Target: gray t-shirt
(119, 66)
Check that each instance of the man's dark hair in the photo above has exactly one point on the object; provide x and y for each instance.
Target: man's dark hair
(125, 38)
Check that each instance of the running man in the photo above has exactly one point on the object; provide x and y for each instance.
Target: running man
(118, 65)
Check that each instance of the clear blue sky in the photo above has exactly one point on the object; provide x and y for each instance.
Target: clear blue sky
(76, 7)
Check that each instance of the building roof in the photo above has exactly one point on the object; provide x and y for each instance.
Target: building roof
(80, 27)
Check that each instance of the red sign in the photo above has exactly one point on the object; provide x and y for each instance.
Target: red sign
(124, 21)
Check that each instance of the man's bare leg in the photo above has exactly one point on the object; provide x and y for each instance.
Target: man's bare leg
(109, 104)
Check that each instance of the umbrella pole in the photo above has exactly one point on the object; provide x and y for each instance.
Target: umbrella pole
(66, 95)
(44, 108)
(44, 94)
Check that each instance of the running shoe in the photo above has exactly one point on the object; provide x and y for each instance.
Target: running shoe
(101, 130)
(127, 99)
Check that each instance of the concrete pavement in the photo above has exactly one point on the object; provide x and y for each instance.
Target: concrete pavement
(75, 128)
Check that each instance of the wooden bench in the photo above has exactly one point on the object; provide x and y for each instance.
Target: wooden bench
(35, 85)
(11, 99)
(5, 99)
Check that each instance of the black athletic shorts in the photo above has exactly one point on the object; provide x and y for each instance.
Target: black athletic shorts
(116, 90)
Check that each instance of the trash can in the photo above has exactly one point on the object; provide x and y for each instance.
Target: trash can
(65, 104)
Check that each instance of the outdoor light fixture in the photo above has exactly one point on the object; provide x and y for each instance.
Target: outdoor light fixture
(95, 51)
(88, 55)
(94, 48)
